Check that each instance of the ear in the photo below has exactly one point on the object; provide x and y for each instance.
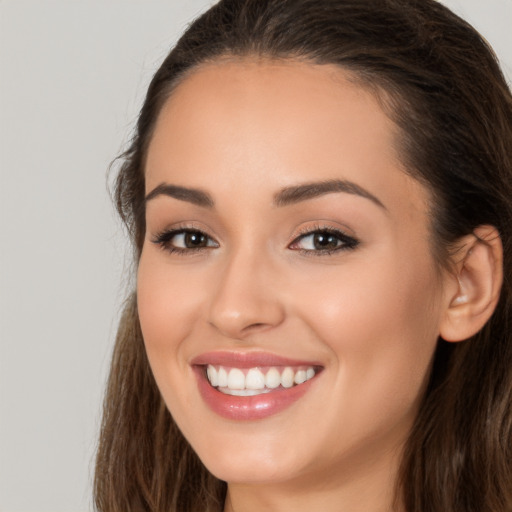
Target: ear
(475, 284)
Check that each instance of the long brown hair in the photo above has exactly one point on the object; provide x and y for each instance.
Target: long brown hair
(441, 84)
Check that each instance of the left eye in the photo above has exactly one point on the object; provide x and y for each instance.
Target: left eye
(183, 240)
(323, 241)
(191, 240)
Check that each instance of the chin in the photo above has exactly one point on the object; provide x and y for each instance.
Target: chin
(256, 461)
(250, 471)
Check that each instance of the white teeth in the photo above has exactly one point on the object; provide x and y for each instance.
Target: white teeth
(254, 379)
(300, 377)
(212, 375)
(222, 378)
(287, 377)
(273, 378)
(234, 381)
(245, 392)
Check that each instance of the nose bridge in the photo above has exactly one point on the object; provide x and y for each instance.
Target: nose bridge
(245, 298)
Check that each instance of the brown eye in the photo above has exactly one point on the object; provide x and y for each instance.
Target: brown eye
(194, 239)
(324, 242)
(184, 241)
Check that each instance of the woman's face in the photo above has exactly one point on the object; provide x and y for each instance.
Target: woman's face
(288, 257)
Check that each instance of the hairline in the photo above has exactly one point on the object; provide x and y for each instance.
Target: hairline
(389, 95)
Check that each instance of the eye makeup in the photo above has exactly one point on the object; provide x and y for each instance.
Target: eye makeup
(321, 240)
(317, 240)
(184, 240)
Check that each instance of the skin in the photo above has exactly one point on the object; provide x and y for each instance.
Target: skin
(241, 131)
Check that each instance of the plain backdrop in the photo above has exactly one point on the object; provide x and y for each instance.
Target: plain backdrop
(72, 77)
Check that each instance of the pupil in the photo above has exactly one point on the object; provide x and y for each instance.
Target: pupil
(195, 240)
(325, 241)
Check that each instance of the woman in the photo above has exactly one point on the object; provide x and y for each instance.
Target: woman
(319, 194)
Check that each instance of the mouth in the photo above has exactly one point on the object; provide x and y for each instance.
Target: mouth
(252, 386)
(258, 380)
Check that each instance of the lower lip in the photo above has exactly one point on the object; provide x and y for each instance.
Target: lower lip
(248, 408)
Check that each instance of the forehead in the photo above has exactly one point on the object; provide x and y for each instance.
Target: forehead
(276, 93)
(235, 119)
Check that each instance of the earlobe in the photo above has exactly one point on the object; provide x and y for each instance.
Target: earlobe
(479, 274)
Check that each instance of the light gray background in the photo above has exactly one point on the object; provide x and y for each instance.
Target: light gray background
(72, 77)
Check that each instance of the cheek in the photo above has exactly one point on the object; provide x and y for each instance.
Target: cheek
(380, 322)
(389, 292)
(168, 305)
(166, 297)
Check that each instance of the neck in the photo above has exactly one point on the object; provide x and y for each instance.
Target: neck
(361, 486)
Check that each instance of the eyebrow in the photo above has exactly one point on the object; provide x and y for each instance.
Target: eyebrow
(190, 195)
(303, 192)
(285, 197)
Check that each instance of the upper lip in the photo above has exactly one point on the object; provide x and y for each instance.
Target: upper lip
(248, 359)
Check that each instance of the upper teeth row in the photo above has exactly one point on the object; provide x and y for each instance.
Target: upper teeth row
(255, 379)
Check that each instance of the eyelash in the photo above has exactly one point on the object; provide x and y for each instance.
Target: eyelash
(165, 238)
(346, 242)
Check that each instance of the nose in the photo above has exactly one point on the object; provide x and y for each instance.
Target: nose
(246, 299)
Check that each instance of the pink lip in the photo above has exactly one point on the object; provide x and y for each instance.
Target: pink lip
(248, 408)
(248, 360)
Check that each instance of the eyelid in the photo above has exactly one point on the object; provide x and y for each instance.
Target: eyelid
(166, 236)
(349, 242)
(163, 239)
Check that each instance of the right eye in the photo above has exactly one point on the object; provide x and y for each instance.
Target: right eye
(184, 240)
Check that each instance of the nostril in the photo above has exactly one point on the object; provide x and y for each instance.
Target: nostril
(259, 326)
(240, 314)
(255, 326)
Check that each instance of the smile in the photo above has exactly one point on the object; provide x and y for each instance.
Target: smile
(256, 381)
(252, 386)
